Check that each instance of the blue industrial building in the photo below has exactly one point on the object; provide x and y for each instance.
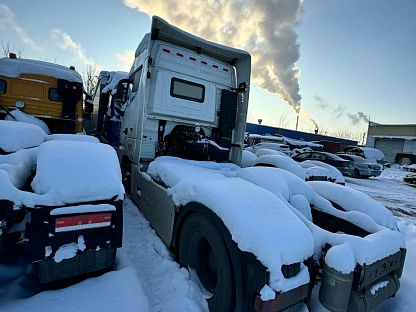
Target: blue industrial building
(297, 135)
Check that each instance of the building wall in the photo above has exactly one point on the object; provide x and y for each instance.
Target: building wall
(297, 135)
(392, 130)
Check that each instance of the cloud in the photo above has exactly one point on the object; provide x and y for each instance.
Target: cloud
(339, 111)
(125, 59)
(65, 42)
(7, 21)
(356, 118)
(264, 28)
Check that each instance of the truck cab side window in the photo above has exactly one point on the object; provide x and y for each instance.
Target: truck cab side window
(135, 80)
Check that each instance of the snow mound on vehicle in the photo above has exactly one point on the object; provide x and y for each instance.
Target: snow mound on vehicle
(247, 159)
(265, 151)
(19, 166)
(244, 206)
(72, 137)
(334, 172)
(380, 243)
(315, 171)
(352, 200)
(282, 162)
(22, 117)
(72, 171)
(19, 135)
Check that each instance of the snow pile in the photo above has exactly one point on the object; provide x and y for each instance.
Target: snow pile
(352, 200)
(66, 168)
(340, 258)
(315, 171)
(266, 151)
(283, 162)
(115, 291)
(19, 135)
(299, 195)
(377, 286)
(113, 81)
(22, 117)
(247, 159)
(297, 151)
(335, 174)
(13, 68)
(301, 143)
(267, 238)
(18, 166)
(72, 137)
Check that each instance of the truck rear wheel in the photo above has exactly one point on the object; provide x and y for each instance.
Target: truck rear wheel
(202, 248)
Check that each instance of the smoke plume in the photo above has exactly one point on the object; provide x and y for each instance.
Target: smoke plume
(356, 118)
(264, 28)
(324, 104)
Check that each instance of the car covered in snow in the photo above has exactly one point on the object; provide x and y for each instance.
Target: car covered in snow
(280, 147)
(363, 168)
(346, 167)
(61, 201)
(410, 178)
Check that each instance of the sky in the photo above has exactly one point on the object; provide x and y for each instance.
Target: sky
(348, 60)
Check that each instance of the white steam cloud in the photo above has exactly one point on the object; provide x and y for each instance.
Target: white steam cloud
(264, 28)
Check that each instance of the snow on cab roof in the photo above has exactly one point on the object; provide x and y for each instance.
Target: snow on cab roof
(13, 68)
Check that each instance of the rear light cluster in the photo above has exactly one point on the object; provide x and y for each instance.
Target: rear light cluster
(82, 222)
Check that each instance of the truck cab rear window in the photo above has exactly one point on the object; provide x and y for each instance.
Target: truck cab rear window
(187, 90)
(2, 86)
(54, 96)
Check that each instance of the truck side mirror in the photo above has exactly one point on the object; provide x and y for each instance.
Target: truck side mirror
(122, 89)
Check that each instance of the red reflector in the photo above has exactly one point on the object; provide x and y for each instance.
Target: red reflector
(215, 66)
(179, 54)
(225, 69)
(203, 62)
(82, 222)
(166, 50)
(192, 59)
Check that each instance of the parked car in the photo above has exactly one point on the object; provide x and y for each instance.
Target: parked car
(363, 168)
(373, 155)
(410, 178)
(345, 166)
(280, 147)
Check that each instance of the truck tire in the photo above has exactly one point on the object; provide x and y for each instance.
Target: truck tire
(126, 176)
(202, 248)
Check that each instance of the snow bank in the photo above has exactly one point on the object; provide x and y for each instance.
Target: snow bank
(115, 291)
(247, 159)
(71, 171)
(352, 200)
(334, 172)
(13, 68)
(340, 258)
(72, 137)
(19, 135)
(245, 206)
(283, 162)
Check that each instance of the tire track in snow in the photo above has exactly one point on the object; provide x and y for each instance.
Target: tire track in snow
(168, 287)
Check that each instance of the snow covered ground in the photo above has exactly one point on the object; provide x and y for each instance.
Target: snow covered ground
(148, 279)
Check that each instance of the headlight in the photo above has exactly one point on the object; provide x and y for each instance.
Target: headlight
(20, 104)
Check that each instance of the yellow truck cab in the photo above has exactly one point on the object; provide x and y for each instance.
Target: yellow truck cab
(50, 92)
